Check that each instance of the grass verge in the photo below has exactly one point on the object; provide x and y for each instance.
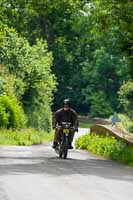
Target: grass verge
(24, 137)
(85, 125)
(107, 146)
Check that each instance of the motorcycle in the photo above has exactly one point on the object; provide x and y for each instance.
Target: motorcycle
(63, 145)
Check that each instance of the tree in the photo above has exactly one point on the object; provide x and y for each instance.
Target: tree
(100, 105)
(126, 98)
(116, 16)
(33, 82)
(91, 44)
(53, 22)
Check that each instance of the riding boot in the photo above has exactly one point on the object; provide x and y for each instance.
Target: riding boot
(70, 145)
(55, 144)
(71, 136)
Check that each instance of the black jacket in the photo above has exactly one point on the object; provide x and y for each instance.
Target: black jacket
(65, 116)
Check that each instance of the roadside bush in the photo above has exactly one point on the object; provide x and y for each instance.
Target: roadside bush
(126, 122)
(41, 119)
(107, 146)
(11, 113)
(126, 98)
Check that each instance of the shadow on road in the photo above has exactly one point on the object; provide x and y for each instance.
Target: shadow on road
(54, 167)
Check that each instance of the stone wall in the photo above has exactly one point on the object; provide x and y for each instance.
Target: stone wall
(105, 130)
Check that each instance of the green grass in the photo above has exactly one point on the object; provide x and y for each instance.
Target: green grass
(107, 146)
(85, 125)
(24, 137)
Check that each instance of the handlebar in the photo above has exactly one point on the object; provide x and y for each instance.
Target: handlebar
(72, 128)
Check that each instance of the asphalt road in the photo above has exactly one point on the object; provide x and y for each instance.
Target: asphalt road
(36, 173)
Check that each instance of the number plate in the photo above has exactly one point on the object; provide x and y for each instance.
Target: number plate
(66, 131)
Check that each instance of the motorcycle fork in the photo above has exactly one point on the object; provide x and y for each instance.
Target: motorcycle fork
(66, 139)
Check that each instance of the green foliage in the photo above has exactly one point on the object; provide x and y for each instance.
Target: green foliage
(85, 124)
(40, 85)
(115, 17)
(107, 146)
(10, 84)
(126, 97)
(11, 113)
(100, 105)
(126, 122)
(24, 137)
(26, 71)
(41, 118)
(91, 42)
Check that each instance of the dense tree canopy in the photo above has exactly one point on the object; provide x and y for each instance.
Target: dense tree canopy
(91, 43)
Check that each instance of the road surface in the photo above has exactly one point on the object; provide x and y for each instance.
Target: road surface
(35, 173)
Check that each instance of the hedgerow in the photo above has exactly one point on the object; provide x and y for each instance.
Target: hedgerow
(107, 146)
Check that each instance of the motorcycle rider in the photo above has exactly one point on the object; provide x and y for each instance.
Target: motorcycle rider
(65, 114)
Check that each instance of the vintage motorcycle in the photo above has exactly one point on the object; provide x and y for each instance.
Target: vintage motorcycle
(63, 145)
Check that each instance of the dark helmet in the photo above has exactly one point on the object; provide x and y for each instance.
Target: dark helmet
(66, 102)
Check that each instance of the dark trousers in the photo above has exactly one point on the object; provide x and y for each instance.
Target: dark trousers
(58, 133)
